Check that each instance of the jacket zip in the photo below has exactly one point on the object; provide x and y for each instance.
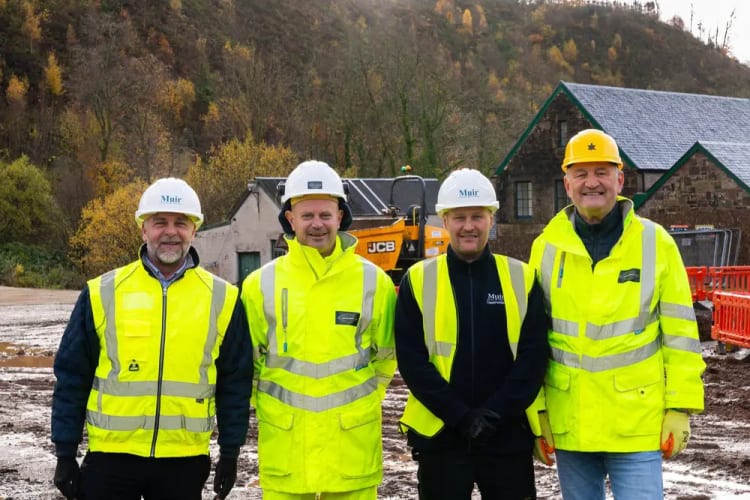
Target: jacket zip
(161, 368)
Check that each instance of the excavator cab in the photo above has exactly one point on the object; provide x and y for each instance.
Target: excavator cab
(401, 237)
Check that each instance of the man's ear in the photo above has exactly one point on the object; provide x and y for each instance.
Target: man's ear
(289, 218)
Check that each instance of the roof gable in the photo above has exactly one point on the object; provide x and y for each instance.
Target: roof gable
(654, 129)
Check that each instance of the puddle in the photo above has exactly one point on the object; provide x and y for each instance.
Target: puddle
(17, 356)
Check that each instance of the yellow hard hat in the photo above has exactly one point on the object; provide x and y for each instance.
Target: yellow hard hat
(591, 145)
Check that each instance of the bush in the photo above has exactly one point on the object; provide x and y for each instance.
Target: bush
(31, 266)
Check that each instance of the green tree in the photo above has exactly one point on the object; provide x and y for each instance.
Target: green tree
(27, 208)
(108, 236)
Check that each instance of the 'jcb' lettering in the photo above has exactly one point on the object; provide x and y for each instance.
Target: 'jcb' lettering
(381, 247)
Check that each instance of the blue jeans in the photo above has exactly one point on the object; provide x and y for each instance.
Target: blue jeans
(632, 476)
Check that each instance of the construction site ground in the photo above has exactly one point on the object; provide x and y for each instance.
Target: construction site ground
(716, 464)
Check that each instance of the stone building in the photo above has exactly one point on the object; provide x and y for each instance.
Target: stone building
(686, 162)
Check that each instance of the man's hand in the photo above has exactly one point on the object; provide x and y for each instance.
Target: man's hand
(675, 432)
(67, 476)
(478, 421)
(225, 476)
(544, 445)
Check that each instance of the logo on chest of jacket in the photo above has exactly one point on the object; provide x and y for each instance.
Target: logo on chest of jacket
(495, 298)
(626, 275)
(133, 366)
(347, 318)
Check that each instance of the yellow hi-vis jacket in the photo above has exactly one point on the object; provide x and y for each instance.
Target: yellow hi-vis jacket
(432, 290)
(624, 338)
(153, 390)
(322, 332)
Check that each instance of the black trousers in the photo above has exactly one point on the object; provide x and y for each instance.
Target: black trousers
(451, 476)
(120, 476)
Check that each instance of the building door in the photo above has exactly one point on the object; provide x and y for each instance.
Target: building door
(247, 263)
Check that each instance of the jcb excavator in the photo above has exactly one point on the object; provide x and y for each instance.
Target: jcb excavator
(400, 238)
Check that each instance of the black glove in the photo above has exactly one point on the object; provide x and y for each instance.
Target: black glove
(224, 477)
(478, 421)
(67, 476)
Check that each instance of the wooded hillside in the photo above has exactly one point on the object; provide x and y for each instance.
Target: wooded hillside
(97, 95)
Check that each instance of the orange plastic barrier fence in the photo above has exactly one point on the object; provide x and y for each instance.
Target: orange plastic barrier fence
(731, 318)
(697, 277)
(727, 279)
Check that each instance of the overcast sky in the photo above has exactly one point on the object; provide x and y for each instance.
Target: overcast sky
(713, 14)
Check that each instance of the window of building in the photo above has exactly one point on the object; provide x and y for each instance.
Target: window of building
(523, 200)
(276, 249)
(562, 133)
(561, 197)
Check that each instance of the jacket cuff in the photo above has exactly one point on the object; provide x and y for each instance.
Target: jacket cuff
(229, 452)
(64, 450)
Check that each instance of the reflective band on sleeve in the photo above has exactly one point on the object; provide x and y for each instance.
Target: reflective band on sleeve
(681, 343)
(677, 311)
(322, 403)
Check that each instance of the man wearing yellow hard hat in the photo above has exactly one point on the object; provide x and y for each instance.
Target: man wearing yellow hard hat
(626, 364)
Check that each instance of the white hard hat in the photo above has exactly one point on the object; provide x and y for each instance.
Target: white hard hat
(466, 187)
(169, 195)
(313, 177)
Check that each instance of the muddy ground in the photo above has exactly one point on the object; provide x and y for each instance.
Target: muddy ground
(716, 464)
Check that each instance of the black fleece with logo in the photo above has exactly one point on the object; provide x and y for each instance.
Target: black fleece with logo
(483, 373)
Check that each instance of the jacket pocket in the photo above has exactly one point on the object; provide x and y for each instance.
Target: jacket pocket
(638, 404)
(275, 443)
(360, 443)
(558, 398)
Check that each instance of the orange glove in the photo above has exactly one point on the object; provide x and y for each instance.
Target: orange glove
(675, 432)
(544, 445)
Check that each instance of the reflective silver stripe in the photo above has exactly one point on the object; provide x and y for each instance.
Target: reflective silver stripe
(648, 269)
(518, 281)
(218, 295)
(149, 388)
(548, 262)
(680, 343)
(602, 363)
(429, 304)
(369, 285)
(321, 403)
(268, 290)
(565, 327)
(617, 328)
(146, 422)
(315, 370)
(107, 292)
(677, 311)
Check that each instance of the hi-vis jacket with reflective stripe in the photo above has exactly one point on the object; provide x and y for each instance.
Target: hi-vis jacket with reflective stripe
(323, 344)
(153, 391)
(431, 287)
(624, 338)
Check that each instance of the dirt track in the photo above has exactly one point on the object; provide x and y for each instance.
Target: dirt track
(716, 464)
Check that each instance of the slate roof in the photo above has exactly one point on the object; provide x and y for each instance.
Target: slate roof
(655, 128)
(369, 197)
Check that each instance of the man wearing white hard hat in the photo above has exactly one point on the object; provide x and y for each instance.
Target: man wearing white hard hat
(471, 344)
(154, 352)
(321, 318)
